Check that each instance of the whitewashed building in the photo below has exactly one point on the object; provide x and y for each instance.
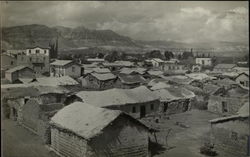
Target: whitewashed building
(203, 61)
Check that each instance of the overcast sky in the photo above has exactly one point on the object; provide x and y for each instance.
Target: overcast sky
(199, 21)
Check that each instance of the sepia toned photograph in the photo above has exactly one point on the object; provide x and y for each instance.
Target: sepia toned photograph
(125, 79)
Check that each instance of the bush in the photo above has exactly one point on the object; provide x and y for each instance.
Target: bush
(208, 149)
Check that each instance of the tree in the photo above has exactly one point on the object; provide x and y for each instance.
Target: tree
(179, 56)
(186, 55)
(123, 56)
(154, 54)
(100, 55)
(168, 55)
(113, 56)
(214, 60)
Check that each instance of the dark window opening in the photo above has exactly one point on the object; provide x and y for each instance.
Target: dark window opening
(142, 111)
(165, 107)
(224, 106)
(152, 106)
(37, 51)
(11, 63)
(25, 100)
(58, 98)
(30, 51)
(133, 109)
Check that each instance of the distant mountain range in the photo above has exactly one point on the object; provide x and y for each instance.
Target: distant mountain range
(19, 37)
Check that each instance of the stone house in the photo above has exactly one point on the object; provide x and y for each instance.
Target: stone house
(117, 65)
(152, 74)
(204, 61)
(173, 68)
(230, 134)
(226, 83)
(132, 71)
(98, 81)
(243, 79)
(13, 96)
(60, 68)
(36, 58)
(137, 102)
(222, 68)
(174, 99)
(129, 81)
(36, 117)
(157, 62)
(80, 129)
(8, 61)
(18, 72)
(35, 113)
(228, 101)
(96, 70)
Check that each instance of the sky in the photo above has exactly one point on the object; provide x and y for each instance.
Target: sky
(183, 21)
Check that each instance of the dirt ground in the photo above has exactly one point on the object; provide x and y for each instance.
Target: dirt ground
(184, 140)
(19, 142)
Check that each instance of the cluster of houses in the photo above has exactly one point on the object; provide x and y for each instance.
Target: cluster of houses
(78, 106)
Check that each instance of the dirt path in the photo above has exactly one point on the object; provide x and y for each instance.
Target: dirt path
(19, 142)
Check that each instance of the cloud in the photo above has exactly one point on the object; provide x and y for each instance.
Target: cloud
(148, 20)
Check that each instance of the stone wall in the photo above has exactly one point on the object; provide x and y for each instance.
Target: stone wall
(233, 104)
(67, 144)
(231, 137)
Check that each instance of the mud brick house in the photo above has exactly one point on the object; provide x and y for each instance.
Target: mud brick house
(95, 60)
(226, 83)
(157, 62)
(173, 68)
(138, 102)
(221, 68)
(35, 113)
(204, 61)
(18, 72)
(36, 117)
(98, 70)
(130, 81)
(200, 76)
(8, 61)
(64, 81)
(98, 81)
(80, 129)
(243, 79)
(231, 134)
(60, 68)
(13, 96)
(183, 80)
(117, 65)
(160, 85)
(174, 99)
(210, 88)
(152, 74)
(228, 101)
(132, 71)
(37, 58)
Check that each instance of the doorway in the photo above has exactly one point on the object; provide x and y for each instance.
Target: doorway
(165, 107)
(142, 111)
